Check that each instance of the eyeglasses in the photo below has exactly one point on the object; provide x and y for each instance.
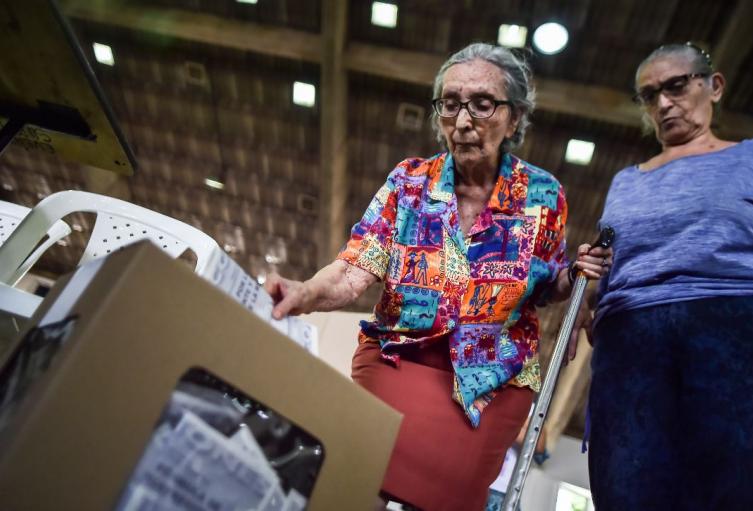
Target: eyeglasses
(675, 87)
(478, 108)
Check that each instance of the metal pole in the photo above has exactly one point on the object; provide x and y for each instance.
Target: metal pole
(523, 464)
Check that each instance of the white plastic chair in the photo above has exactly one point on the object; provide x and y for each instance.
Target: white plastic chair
(11, 216)
(119, 223)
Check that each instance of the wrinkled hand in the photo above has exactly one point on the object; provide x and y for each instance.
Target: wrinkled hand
(594, 262)
(291, 297)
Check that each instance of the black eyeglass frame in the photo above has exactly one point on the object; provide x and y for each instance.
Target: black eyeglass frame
(464, 104)
(639, 97)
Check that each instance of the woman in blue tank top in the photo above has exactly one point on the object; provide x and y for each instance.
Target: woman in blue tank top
(671, 403)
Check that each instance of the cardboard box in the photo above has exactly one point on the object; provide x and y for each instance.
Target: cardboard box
(142, 320)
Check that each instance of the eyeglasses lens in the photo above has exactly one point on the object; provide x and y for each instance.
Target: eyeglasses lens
(481, 108)
(478, 108)
(674, 88)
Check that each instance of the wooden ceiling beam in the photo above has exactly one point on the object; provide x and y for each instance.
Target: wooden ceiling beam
(201, 28)
(557, 96)
(400, 65)
(333, 156)
(594, 102)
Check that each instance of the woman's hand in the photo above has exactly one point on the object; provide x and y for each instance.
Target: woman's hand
(291, 297)
(333, 287)
(594, 262)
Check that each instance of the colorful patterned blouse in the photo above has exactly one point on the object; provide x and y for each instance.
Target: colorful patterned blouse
(479, 290)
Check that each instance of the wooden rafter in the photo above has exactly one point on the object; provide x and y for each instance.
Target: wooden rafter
(202, 28)
(333, 184)
(587, 101)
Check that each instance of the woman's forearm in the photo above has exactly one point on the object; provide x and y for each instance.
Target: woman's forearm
(336, 285)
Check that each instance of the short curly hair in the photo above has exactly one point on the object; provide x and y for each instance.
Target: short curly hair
(518, 84)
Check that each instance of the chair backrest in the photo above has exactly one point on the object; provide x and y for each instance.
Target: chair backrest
(119, 223)
(11, 216)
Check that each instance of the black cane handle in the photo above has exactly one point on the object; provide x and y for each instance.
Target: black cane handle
(606, 238)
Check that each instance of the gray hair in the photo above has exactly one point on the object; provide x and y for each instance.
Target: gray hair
(699, 60)
(518, 84)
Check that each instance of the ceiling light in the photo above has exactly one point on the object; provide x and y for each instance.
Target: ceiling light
(384, 14)
(274, 257)
(213, 183)
(579, 151)
(512, 36)
(277, 252)
(103, 54)
(304, 94)
(247, 1)
(550, 38)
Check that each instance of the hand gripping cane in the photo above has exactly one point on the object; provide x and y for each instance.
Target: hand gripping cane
(515, 489)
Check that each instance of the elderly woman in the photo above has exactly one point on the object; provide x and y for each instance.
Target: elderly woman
(671, 396)
(466, 242)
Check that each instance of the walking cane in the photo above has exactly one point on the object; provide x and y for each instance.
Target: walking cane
(519, 474)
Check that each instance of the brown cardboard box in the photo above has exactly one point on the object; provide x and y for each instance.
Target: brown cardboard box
(143, 320)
